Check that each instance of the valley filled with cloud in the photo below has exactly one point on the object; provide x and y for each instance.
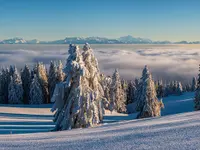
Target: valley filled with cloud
(167, 62)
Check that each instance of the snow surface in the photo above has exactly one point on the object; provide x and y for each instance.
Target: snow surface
(25, 119)
(178, 104)
(176, 131)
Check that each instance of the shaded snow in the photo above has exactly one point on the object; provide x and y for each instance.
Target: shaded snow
(178, 104)
(25, 119)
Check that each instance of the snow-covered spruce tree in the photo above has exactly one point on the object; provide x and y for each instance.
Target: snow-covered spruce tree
(1, 89)
(78, 100)
(124, 84)
(197, 94)
(167, 90)
(179, 89)
(5, 81)
(194, 84)
(160, 89)
(15, 89)
(52, 77)
(188, 87)
(12, 69)
(118, 101)
(26, 82)
(148, 103)
(35, 94)
(60, 75)
(106, 84)
(41, 73)
(131, 94)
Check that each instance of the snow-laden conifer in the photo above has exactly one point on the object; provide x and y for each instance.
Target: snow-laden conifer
(179, 90)
(26, 82)
(52, 77)
(131, 94)
(60, 75)
(15, 89)
(78, 100)
(148, 103)
(35, 94)
(194, 84)
(197, 94)
(118, 101)
(41, 73)
(106, 84)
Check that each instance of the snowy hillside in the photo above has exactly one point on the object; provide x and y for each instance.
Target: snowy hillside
(181, 130)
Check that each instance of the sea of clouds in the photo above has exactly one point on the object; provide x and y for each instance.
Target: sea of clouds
(167, 62)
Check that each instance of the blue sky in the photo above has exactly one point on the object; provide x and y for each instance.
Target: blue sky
(55, 19)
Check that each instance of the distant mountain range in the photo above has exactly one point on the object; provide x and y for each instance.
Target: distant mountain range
(94, 40)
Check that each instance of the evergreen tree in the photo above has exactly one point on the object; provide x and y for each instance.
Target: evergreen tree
(4, 82)
(26, 82)
(179, 90)
(35, 94)
(194, 84)
(60, 75)
(148, 103)
(15, 89)
(188, 87)
(12, 69)
(167, 90)
(131, 94)
(106, 84)
(78, 100)
(117, 94)
(197, 94)
(160, 89)
(52, 78)
(1, 89)
(43, 80)
(124, 84)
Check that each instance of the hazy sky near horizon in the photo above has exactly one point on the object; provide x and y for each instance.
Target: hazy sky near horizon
(172, 20)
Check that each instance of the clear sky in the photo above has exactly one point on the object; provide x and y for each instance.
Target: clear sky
(173, 20)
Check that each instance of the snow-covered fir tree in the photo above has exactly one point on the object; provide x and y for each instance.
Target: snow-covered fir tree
(52, 77)
(148, 103)
(78, 100)
(160, 89)
(194, 84)
(41, 73)
(1, 89)
(179, 89)
(15, 89)
(131, 94)
(106, 84)
(124, 84)
(60, 75)
(118, 101)
(12, 69)
(188, 87)
(26, 82)
(197, 94)
(35, 94)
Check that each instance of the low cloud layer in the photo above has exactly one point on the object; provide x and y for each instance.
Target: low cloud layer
(165, 62)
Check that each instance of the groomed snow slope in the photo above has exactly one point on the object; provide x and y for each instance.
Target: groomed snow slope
(180, 131)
